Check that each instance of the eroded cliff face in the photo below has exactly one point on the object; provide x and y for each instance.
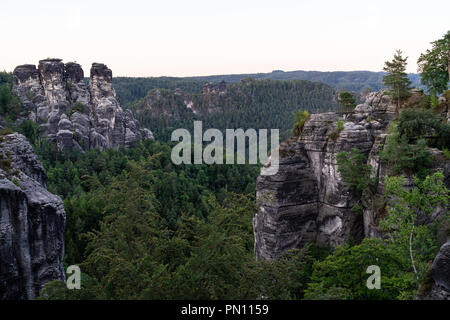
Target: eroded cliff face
(32, 222)
(307, 201)
(72, 114)
(439, 286)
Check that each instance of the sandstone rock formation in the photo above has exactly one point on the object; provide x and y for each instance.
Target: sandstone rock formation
(71, 113)
(307, 201)
(32, 222)
(440, 275)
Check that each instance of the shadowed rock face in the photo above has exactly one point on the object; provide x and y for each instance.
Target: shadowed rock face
(72, 114)
(307, 201)
(440, 275)
(32, 222)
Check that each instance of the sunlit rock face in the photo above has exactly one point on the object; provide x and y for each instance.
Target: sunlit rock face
(72, 114)
(307, 201)
(32, 223)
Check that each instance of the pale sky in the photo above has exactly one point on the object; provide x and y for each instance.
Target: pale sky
(205, 37)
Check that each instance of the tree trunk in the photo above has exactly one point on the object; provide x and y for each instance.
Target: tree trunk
(410, 250)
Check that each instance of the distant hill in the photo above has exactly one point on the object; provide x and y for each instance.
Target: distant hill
(258, 104)
(132, 89)
(341, 80)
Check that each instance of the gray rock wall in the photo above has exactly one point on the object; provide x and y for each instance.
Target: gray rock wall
(32, 222)
(72, 114)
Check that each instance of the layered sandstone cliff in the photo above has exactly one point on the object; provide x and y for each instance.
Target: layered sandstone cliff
(74, 115)
(32, 222)
(307, 201)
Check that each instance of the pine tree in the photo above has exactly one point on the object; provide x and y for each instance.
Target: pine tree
(346, 101)
(397, 79)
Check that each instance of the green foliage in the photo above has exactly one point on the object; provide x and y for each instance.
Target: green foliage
(423, 124)
(406, 148)
(346, 101)
(446, 153)
(340, 125)
(403, 157)
(300, 119)
(342, 275)
(406, 158)
(354, 171)
(258, 104)
(396, 79)
(81, 180)
(414, 240)
(134, 229)
(433, 66)
(16, 182)
(357, 175)
(130, 90)
(78, 107)
(417, 124)
(287, 278)
(57, 290)
(68, 85)
(30, 129)
(10, 104)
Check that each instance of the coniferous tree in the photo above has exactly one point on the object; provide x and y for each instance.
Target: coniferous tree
(346, 101)
(397, 79)
(434, 66)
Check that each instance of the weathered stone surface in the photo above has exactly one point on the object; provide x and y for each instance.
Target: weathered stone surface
(440, 275)
(72, 114)
(307, 201)
(32, 222)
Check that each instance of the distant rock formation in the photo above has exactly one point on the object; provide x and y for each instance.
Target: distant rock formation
(32, 222)
(74, 115)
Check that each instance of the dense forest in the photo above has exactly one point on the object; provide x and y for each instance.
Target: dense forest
(141, 227)
(258, 104)
(131, 89)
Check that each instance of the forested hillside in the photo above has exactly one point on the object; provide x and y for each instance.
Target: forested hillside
(132, 89)
(258, 104)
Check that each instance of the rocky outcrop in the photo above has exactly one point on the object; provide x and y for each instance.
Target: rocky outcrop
(439, 288)
(74, 115)
(307, 201)
(214, 88)
(32, 222)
